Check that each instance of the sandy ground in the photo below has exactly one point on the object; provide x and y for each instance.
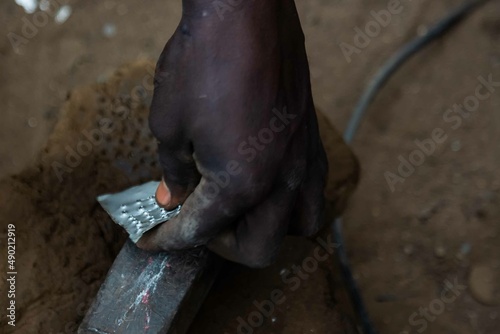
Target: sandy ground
(436, 228)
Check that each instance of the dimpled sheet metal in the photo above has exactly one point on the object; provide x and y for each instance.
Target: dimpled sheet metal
(136, 209)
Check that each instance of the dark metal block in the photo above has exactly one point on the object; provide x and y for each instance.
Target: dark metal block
(152, 293)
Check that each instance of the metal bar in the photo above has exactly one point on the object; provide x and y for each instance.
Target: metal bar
(152, 293)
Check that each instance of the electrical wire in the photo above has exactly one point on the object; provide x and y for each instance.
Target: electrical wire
(377, 82)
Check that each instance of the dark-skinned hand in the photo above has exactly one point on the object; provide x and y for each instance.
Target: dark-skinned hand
(237, 130)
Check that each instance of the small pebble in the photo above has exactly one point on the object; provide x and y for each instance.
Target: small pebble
(484, 283)
(29, 6)
(63, 14)
(465, 248)
(109, 30)
(32, 122)
(427, 213)
(456, 145)
(439, 251)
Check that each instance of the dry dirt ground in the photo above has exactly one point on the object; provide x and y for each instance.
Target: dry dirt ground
(438, 227)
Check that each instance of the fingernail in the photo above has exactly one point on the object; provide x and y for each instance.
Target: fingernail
(163, 195)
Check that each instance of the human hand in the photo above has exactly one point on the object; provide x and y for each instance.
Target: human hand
(238, 135)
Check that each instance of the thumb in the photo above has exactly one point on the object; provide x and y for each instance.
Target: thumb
(163, 194)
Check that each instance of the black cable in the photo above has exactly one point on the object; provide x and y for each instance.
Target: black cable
(400, 57)
(377, 82)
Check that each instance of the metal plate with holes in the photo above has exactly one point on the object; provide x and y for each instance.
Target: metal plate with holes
(136, 209)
